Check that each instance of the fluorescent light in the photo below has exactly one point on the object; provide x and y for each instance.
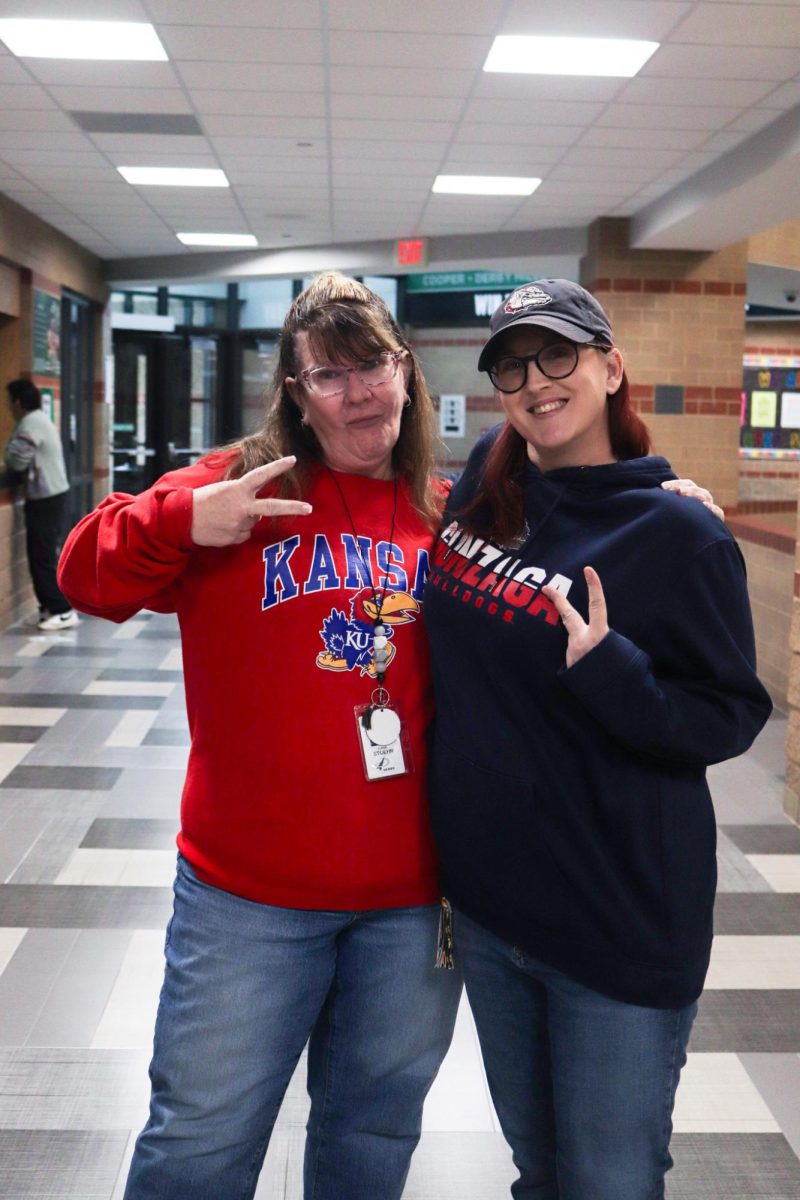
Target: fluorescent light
(568, 56)
(174, 176)
(82, 39)
(486, 185)
(217, 239)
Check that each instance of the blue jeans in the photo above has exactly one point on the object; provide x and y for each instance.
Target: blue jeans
(584, 1086)
(246, 986)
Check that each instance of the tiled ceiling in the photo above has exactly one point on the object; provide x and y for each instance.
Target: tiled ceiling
(332, 117)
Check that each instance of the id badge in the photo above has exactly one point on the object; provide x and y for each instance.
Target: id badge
(382, 738)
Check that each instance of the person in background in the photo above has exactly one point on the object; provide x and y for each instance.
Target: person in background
(35, 452)
(592, 653)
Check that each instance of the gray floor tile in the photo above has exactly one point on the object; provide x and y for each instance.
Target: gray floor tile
(79, 995)
(765, 839)
(131, 834)
(54, 906)
(62, 778)
(733, 1166)
(59, 1165)
(777, 1077)
(734, 872)
(28, 979)
(52, 850)
(753, 913)
(748, 792)
(743, 1021)
(19, 831)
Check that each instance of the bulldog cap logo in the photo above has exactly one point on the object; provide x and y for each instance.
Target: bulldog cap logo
(529, 296)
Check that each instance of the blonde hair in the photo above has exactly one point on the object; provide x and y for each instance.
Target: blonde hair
(343, 320)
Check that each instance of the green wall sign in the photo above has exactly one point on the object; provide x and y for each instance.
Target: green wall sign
(465, 281)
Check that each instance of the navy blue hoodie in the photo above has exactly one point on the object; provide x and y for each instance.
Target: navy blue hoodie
(570, 806)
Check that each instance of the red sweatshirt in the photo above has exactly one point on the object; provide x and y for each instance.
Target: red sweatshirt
(276, 806)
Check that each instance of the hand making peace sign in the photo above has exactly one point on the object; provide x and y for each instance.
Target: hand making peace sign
(223, 514)
(583, 637)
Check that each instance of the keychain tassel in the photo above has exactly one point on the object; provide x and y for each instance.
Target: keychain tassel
(444, 944)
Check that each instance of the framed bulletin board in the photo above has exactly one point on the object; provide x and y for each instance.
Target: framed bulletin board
(771, 406)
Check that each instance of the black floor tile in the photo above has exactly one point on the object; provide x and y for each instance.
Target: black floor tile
(141, 675)
(82, 779)
(76, 700)
(61, 906)
(747, 1021)
(757, 912)
(733, 1166)
(167, 737)
(120, 833)
(765, 839)
(22, 733)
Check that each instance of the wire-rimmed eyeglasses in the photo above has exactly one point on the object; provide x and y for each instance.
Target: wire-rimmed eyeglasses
(557, 360)
(332, 381)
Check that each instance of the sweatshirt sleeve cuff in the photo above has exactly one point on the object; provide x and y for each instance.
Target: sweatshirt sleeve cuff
(603, 668)
(176, 518)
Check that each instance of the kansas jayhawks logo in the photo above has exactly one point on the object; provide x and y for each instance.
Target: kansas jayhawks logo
(348, 642)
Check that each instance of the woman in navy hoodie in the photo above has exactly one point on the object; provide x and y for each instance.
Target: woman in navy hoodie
(593, 653)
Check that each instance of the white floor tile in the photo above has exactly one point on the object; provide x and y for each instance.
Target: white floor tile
(9, 940)
(129, 630)
(35, 647)
(130, 1014)
(459, 1098)
(132, 728)
(172, 661)
(129, 687)
(781, 871)
(11, 755)
(749, 961)
(10, 715)
(716, 1095)
(119, 868)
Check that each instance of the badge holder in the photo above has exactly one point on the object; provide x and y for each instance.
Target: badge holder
(382, 737)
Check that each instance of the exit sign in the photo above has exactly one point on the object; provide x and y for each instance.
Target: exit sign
(412, 252)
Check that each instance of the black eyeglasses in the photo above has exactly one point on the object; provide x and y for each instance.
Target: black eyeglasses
(555, 361)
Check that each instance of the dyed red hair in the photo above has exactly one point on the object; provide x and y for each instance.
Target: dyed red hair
(496, 511)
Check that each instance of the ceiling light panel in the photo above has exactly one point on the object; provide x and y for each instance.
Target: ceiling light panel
(133, 41)
(485, 185)
(210, 177)
(526, 55)
(217, 239)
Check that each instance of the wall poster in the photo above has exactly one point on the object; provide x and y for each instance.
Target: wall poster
(46, 333)
(770, 408)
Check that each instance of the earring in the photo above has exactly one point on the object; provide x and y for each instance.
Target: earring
(407, 401)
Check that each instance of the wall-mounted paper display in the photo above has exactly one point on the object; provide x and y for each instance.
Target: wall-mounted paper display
(763, 410)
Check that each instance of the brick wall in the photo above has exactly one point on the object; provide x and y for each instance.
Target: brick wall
(678, 317)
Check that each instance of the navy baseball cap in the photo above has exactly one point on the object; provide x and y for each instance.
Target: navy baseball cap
(557, 304)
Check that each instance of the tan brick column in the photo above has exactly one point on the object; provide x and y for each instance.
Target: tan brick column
(679, 319)
(791, 794)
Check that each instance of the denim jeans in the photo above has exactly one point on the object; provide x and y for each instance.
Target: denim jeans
(583, 1085)
(246, 986)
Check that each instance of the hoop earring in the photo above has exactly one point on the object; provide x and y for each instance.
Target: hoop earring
(407, 401)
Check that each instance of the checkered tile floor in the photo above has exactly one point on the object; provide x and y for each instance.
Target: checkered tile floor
(92, 749)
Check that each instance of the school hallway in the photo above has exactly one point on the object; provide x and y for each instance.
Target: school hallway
(93, 743)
